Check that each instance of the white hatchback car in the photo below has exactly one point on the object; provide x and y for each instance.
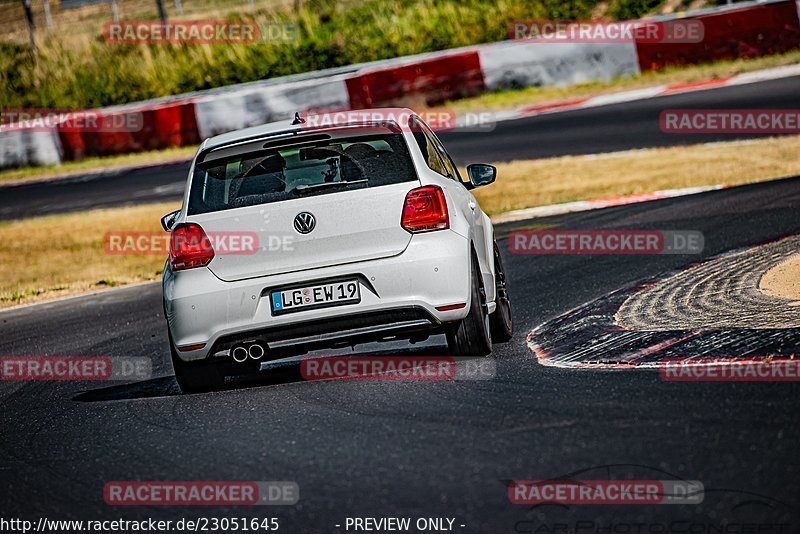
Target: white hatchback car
(295, 236)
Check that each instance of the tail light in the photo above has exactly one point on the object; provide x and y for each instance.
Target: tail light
(425, 210)
(189, 247)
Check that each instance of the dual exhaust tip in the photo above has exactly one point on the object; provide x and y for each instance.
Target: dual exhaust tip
(240, 353)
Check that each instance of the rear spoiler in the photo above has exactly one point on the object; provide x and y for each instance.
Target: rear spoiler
(302, 136)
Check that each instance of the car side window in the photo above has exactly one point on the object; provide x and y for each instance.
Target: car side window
(452, 170)
(427, 145)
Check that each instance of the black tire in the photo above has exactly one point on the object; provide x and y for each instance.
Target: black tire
(501, 321)
(196, 377)
(470, 337)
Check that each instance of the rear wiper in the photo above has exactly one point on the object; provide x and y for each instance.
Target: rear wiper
(325, 185)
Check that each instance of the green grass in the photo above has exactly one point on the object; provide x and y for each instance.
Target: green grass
(88, 72)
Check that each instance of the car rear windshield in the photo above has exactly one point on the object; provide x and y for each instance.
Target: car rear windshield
(312, 167)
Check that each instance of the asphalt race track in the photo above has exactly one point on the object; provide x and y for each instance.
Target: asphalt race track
(603, 129)
(420, 448)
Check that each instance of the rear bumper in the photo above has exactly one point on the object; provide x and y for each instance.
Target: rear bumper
(399, 297)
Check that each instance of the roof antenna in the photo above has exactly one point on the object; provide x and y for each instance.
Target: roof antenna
(298, 119)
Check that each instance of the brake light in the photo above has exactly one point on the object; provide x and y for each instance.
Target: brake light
(425, 210)
(189, 247)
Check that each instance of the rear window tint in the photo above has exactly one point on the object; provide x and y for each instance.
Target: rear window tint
(309, 169)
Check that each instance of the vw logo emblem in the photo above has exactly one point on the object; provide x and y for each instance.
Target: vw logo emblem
(304, 222)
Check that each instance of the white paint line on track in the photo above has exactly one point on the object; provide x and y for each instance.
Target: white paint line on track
(587, 205)
(765, 74)
(625, 96)
(643, 94)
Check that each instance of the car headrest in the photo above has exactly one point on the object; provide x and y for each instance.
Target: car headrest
(360, 151)
(271, 164)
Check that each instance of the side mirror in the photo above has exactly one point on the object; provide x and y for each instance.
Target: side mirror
(481, 174)
(168, 220)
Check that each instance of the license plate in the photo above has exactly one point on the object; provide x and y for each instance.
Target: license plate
(315, 296)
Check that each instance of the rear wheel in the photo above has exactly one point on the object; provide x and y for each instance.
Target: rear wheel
(195, 377)
(471, 336)
(501, 322)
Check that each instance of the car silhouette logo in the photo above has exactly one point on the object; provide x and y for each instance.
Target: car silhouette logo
(304, 222)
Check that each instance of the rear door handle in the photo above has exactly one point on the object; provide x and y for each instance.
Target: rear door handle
(472, 205)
